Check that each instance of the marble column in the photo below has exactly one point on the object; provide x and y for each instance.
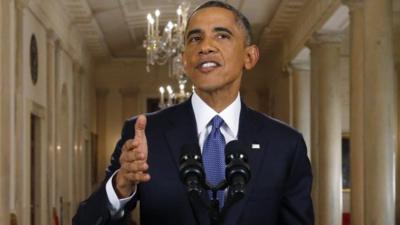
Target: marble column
(302, 100)
(326, 119)
(8, 112)
(52, 45)
(20, 179)
(76, 158)
(396, 44)
(398, 147)
(380, 132)
(356, 111)
(79, 139)
(3, 152)
(314, 142)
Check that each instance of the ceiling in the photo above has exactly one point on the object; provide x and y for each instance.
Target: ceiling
(116, 28)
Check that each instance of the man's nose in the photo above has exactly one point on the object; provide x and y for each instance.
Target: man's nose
(207, 47)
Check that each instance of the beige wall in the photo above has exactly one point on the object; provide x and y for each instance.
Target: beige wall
(277, 86)
(253, 85)
(20, 98)
(31, 26)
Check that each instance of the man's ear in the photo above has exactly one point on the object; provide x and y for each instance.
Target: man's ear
(251, 57)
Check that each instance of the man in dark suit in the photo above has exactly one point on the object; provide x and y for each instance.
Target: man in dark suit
(144, 165)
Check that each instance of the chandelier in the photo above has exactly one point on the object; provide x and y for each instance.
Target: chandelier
(172, 97)
(166, 47)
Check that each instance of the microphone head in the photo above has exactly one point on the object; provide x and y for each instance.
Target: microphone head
(236, 163)
(234, 149)
(191, 168)
(191, 151)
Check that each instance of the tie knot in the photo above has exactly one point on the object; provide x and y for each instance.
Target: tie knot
(217, 122)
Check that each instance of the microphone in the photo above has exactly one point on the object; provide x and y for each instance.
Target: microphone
(191, 169)
(237, 170)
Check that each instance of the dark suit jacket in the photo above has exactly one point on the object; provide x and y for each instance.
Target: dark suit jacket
(277, 194)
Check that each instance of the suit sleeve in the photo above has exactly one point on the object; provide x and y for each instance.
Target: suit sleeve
(297, 207)
(95, 210)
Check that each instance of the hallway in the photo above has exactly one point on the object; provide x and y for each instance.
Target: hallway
(72, 71)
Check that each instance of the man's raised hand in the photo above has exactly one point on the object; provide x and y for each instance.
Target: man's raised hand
(133, 161)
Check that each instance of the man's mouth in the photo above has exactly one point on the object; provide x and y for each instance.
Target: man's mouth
(208, 66)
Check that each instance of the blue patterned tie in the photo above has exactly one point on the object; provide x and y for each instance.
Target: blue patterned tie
(214, 157)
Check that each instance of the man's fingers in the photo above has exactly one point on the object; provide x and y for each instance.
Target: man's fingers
(131, 144)
(139, 177)
(136, 166)
(133, 159)
(131, 156)
(144, 177)
(140, 127)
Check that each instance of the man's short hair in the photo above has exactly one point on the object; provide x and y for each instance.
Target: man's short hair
(242, 21)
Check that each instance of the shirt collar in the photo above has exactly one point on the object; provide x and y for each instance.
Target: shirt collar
(204, 113)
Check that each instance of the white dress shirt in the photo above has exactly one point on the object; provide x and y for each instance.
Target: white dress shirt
(203, 115)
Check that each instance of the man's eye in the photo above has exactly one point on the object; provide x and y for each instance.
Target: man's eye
(223, 36)
(194, 39)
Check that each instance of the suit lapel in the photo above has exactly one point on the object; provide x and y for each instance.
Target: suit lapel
(249, 130)
(182, 130)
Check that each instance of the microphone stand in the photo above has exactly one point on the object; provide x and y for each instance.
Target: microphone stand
(214, 209)
(216, 215)
(192, 175)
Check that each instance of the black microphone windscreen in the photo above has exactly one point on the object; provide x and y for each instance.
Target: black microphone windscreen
(190, 150)
(234, 147)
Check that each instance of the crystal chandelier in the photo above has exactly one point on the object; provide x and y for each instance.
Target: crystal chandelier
(172, 97)
(166, 47)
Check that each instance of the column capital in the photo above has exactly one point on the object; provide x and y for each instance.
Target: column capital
(52, 37)
(319, 38)
(300, 65)
(62, 46)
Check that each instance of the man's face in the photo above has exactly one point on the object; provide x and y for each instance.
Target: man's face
(215, 51)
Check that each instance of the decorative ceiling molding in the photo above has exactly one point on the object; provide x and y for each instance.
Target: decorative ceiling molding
(52, 16)
(282, 21)
(338, 22)
(82, 16)
(308, 17)
(97, 22)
